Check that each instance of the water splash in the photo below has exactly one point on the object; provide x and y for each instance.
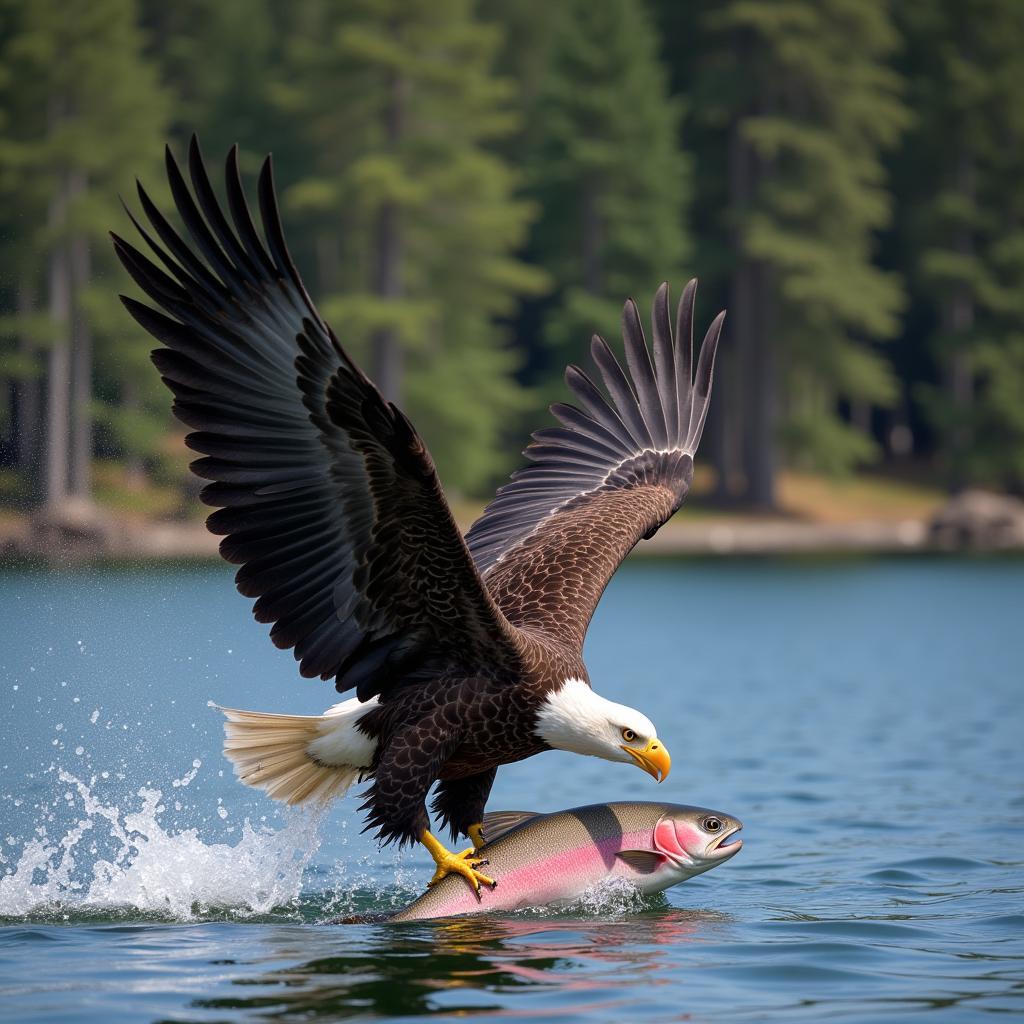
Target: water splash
(612, 897)
(149, 869)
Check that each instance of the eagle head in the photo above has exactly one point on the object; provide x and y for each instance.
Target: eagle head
(574, 718)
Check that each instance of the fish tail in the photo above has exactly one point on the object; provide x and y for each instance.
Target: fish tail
(299, 758)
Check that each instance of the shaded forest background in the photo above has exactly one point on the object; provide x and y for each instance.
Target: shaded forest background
(472, 189)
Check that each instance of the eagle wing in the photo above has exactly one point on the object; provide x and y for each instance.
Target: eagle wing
(611, 474)
(327, 496)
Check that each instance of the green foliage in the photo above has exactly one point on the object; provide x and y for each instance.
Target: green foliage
(521, 169)
(81, 101)
(806, 87)
(402, 111)
(606, 169)
(964, 225)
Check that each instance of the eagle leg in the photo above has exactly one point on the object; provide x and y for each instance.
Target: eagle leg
(476, 833)
(460, 804)
(464, 863)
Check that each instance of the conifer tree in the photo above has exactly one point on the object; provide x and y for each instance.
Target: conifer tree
(97, 118)
(607, 170)
(963, 224)
(221, 60)
(801, 99)
(412, 211)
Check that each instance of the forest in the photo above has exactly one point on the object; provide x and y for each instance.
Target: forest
(471, 189)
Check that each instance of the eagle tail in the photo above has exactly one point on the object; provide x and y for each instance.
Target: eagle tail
(299, 758)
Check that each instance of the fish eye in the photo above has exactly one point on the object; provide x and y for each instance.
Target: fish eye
(628, 735)
(711, 824)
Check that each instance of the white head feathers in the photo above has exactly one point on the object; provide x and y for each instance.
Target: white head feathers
(576, 719)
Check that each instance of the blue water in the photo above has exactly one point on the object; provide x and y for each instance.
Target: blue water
(864, 719)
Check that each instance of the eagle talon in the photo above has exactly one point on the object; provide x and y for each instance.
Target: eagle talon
(464, 864)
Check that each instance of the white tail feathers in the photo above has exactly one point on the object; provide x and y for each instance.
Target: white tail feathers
(299, 758)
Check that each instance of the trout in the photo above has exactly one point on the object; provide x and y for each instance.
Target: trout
(542, 859)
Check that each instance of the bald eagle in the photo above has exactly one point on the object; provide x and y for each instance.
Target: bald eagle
(464, 652)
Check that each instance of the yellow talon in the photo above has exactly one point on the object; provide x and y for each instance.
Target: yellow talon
(476, 833)
(464, 863)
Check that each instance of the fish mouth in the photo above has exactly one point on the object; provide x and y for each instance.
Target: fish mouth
(720, 849)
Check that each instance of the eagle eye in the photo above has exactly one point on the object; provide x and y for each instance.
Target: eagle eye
(628, 735)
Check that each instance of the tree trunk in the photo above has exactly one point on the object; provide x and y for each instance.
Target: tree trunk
(860, 416)
(58, 377)
(134, 467)
(723, 420)
(81, 359)
(957, 323)
(751, 331)
(27, 425)
(386, 345)
(762, 423)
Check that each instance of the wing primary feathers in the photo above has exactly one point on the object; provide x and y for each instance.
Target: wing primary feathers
(215, 216)
(315, 477)
(149, 277)
(684, 357)
(563, 438)
(702, 383)
(240, 213)
(637, 437)
(208, 284)
(638, 359)
(275, 232)
(198, 271)
(579, 422)
(193, 220)
(664, 364)
(621, 390)
(597, 405)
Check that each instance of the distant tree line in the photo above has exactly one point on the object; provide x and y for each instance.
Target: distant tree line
(471, 189)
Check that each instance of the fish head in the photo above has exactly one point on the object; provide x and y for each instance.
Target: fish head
(695, 839)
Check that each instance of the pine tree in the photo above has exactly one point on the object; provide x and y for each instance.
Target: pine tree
(222, 60)
(963, 223)
(97, 110)
(606, 169)
(802, 102)
(412, 211)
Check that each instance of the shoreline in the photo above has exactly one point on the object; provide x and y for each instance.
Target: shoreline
(113, 539)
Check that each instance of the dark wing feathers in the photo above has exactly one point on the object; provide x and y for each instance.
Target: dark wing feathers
(683, 349)
(665, 361)
(328, 499)
(611, 474)
(638, 359)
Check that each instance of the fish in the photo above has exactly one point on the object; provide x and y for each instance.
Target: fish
(550, 859)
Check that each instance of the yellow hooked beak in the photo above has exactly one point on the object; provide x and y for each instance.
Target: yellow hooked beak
(653, 759)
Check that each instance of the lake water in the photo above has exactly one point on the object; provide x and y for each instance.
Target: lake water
(864, 719)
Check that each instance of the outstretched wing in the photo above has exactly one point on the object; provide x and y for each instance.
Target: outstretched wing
(611, 474)
(328, 497)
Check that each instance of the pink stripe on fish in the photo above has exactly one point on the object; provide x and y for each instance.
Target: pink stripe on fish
(560, 876)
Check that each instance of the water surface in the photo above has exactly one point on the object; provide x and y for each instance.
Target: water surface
(864, 719)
